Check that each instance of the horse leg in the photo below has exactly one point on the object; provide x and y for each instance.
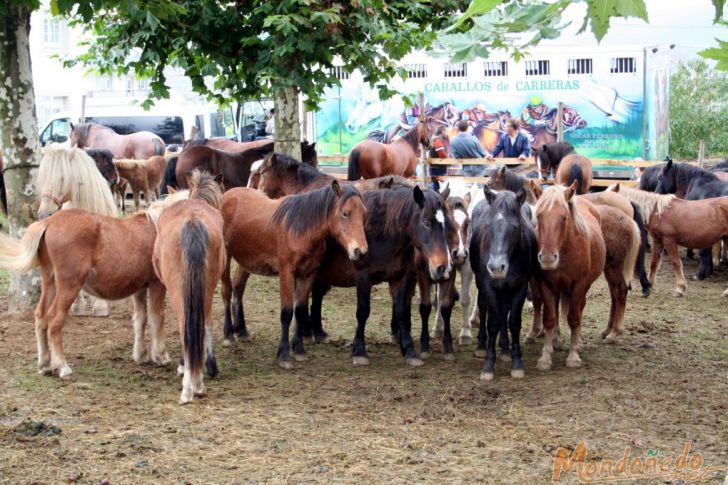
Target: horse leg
(239, 284)
(139, 318)
(514, 325)
(677, 266)
(393, 325)
(56, 317)
(137, 202)
(618, 295)
(79, 308)
(481, 302)
(403, 314)
(300, 310)
(446, 290)
(495, 312)
(424, 285)
(655, 259)
(536, 324)
(466, 281)
(550, 321)
(319, 290)
(705, 265)
(47, 295)
(363, 308)
(576, 307)
(226, 293)
(159, 353)
(287, 287)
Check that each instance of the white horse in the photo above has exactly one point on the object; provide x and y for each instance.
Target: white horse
(370, 108)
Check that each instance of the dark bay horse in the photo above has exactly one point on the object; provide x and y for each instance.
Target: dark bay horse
(371, 159)
(288, 237)
(139, 145)
(189, 256)
(549, 155)
(308, 150)
(503, 250)
(105, 163)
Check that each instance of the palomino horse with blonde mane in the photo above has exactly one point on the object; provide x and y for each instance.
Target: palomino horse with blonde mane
(68, 177)
(108, 257)
(371, 159)
(189, 256)
(139, 145)
(571, 256)
(288, 237)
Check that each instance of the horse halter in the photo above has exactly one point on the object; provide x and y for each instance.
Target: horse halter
(59, 201)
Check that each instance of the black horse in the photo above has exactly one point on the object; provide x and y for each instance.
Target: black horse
(549, 156)
(692, 183)
(503, 250)
(648, 179)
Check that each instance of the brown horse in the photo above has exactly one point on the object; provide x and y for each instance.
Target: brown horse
(141, 176)
(693, 224)
(189, 256)
(575, 168)
(308, 150)
(371, 159)
(107, 257)
(139, 145)
(288, 237)
(571, 257)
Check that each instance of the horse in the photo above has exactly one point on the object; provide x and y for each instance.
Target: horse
(693, 183)
(141, 176)
(142, 144)
(500, 179)
(631, 210)
(108, 257)
(288, 237)
(549, 155)
(571, 256)
(503, 249)
(104, 160)
(649, 177)
(575, 168)
(308, 150)
(370, 159)
(188, 258)
(689, 223)
(279, 174)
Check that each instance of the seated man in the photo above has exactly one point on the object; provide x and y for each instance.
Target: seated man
(512, 143)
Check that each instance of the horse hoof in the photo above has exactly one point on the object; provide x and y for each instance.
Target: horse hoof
(448, 357)
(141, 358)
(285, 364)
(414, 361)
(45, 371)
(308, 340)
(725, 294)
(487, 376)
(322, 339)
(645, 293)
(678, 293)
(573, 362)
(360, 360)
(185, 400)
(162, 359)
(480, 353)
(425, 355)
(394, 339)
(543, 364)
(227, 342)
(244, 338)
(465, 340)
(529, 339)
(200, 391)
(180, 370)
(518, 373)
(503, 357)
(300, 357)
(65, 372)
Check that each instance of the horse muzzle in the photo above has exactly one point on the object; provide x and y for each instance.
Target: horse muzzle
(548, 262)
(357, 253)
(498, 270)
(459, 257)
(440, 273)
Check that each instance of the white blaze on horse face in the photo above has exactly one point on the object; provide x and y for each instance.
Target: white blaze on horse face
(499, 216)
(460, 217)
(440, 217)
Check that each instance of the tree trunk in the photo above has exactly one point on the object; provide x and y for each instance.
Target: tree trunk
(20, 146)
(288, 129)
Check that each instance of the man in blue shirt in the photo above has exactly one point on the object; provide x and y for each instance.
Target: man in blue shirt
(512, 143)
(465, 145)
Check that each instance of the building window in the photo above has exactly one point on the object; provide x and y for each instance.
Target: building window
(418, 71)
(47, 106)
(339, 72)
(619, 65)
(456, 70)
(52, 30)
(538, 68)
(495, 68)
(103, 83)
(142, 84)
(580, 66)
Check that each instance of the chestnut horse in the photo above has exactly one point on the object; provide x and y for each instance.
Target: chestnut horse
(690, 223)
(371, 159)
(308, 150)
(575, 168)
(141, 176)
(108, 257)
(139, 145)
(288, 237)
(189, 256)
(571, 256)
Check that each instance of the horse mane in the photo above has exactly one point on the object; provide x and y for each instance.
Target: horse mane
(129, 163)
(648, 179)
(281, 163)
(204, 187)
(513, 182)
(308, 211)
(72, 172)
(456, 202)
(552, 153)
(649, 202)
(686, 173)
(554, 195)
(411, 137)
(389, 211)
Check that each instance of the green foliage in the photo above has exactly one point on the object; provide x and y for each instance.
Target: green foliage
(238, 50)
(698, 110)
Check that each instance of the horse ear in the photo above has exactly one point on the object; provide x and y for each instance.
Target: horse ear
(490, 195)
(336, 187)
(502, 171)
(521, 196)
(669, 164)
(536, 190)
(614, 187)
(466, 200)
(571, 190)
(385, 183)
(419, 196)
(446, 192)
(219, 179)
(71, 123)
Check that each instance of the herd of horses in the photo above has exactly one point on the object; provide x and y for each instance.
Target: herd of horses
(282, 217)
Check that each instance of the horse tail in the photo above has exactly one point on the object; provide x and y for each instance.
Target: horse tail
(22, 255)
(630, 261)
(641, 255)
(194, 239)
(354, 165)
(578, 175)
(159, 147)
(169, 179)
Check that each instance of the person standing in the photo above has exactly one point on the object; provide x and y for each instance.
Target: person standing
(512, 143)
(465, 145)
(270, 126)
(439, 150)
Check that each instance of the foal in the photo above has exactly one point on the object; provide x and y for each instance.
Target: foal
(189, 256)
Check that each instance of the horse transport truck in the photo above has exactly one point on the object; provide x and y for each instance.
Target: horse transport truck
(616, 100)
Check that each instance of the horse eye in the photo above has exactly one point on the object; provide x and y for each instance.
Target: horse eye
(345, 214)
(426, 223)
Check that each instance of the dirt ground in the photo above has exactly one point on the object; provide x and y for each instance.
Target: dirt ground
(664, 384)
